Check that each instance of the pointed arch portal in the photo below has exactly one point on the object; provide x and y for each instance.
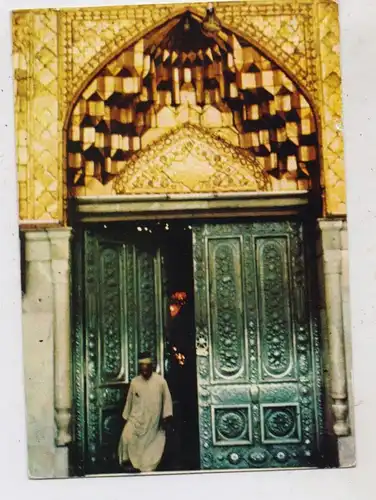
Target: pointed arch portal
(191, 71)
(191, 121)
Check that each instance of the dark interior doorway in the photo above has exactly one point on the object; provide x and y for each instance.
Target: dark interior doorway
(180, 353)
(174, 240)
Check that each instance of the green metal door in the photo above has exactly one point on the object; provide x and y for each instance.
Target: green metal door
(258, 365)
(119, 312)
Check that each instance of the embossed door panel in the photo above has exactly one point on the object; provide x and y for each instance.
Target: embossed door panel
(258, 365)
(122, 314)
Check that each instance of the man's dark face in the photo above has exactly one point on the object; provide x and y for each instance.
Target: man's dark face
(146, 369)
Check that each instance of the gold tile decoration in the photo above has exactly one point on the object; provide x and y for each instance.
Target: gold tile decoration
(190, 159)
(89, 36)
(35, 58)
(180, 74)
(21, 55)
(331, 109)
(45, 126)
(285, 29)
(57, 51)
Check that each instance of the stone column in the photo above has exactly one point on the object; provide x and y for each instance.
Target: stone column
(60, 267)
(331, 243)
(37, 319)
(47, 358)
(346, 315)
(347, 444)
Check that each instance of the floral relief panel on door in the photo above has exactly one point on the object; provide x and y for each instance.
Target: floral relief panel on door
(119, 313)
(257, 347)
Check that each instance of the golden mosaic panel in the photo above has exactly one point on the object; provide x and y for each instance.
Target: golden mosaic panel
(90, 36)
(331, 109)
(284, 29)
(180, 74)
(21, 57)
(55, 51)
(35, 58)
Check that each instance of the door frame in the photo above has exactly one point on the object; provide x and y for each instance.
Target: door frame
(87, 210)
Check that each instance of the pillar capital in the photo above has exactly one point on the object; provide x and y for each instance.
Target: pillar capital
(331, 224)
(60, 242)
(330, 233)
(37, 245)
(35, 234)
(47, 244)
(59, 233)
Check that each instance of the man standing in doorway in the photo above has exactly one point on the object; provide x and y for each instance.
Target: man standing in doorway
(147, 414)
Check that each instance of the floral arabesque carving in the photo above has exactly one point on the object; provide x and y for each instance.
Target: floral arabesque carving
(191, 160)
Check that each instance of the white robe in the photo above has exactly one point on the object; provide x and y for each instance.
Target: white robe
(142, 441)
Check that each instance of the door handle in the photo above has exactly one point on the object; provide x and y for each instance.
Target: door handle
(254, 391)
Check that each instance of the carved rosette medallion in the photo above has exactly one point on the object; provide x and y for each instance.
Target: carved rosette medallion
(280, 423)
(231, 424)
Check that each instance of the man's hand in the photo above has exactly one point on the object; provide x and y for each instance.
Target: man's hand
(166, 424)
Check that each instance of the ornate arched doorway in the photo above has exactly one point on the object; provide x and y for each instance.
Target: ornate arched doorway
(191, 71)
(192, 122)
